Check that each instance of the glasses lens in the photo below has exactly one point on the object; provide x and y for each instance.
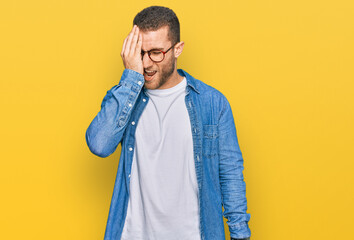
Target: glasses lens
(156, 56)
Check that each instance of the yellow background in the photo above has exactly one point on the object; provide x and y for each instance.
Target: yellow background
(285, 66)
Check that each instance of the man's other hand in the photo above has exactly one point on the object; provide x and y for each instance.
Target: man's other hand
(131, 51)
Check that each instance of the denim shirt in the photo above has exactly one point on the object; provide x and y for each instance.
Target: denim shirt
(217, 156)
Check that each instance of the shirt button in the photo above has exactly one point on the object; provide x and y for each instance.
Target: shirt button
(139, 82)
(130, 149)
(144, 100)
(133, 123)
(129, 176)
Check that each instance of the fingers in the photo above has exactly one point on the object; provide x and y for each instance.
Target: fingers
(123, 48)
(134, 41)
(139, 44)
(125, 43)
(129, 41)
(131, 51)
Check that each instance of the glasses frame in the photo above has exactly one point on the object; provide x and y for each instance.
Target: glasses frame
(154, 50)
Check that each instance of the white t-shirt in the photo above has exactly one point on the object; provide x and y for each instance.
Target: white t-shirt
(163, 202)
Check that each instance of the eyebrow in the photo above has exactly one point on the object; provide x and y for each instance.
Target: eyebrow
(161, 49)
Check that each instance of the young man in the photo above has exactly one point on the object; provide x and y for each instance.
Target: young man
(180, 161)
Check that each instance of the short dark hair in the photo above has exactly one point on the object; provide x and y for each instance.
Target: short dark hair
(155, 17)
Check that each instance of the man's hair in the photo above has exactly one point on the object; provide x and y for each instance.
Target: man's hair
(154, 17)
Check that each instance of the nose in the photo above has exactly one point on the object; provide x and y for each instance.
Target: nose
(146, 60)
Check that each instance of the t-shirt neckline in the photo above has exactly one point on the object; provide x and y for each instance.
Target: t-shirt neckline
(167, 91)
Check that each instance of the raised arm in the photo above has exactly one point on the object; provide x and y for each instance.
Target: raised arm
(106, 130)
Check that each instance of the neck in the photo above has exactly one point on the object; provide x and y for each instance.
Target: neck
(174, 79)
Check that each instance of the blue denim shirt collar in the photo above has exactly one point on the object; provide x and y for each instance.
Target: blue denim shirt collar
(191, 82)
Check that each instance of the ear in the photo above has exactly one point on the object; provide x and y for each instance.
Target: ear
(178, 49)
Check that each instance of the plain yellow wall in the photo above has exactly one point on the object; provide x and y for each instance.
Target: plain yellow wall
(285, 66)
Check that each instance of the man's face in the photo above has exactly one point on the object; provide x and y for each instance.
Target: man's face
(158, 74)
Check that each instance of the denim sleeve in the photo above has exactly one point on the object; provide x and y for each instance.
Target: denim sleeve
(233, 187)
(106, 130)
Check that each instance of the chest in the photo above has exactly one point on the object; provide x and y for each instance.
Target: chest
(165, 120)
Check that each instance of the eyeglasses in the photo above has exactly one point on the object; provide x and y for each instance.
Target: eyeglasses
(156, 55)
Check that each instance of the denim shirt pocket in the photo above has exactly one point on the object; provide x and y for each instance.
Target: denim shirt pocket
(210, 141)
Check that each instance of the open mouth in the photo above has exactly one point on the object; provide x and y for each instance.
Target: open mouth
(149, 75)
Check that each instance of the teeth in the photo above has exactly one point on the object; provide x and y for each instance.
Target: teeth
(149, 71)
